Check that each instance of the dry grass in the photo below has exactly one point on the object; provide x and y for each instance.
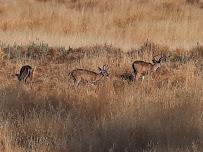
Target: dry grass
(125, 24)
(162, 113)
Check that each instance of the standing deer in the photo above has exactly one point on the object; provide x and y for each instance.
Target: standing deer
(141, 68)
(83, 75)
(25, 73)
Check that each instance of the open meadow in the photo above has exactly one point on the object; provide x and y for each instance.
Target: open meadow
(162, 113)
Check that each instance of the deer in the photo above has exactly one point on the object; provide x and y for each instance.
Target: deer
(142, 68)
(26, 72)
(87, 76)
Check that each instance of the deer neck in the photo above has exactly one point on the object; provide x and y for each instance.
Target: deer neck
(156, 66)
(18, 76)
(99, 77)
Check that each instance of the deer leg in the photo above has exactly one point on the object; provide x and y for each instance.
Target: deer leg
(138, 75)
(77, 83)
(94, 83)
(28, 75)
(143, 78)
(25, 80)
(91, 84)
(134, 76)
(74, 81)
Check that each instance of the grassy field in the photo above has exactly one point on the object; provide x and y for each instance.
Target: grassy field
(125, 24)
(162, 113)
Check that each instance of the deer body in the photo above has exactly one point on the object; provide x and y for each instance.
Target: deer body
(87, 76)
(141, 68)
(25, 73)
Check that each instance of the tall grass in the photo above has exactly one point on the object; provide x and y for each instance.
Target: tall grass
(125, 24)
(162, 113)
(136, 122)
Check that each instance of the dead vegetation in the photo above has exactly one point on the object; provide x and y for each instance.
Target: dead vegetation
(162, 113)
(125, 24)
(117, 114)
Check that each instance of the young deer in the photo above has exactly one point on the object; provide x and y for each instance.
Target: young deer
(25, 73)
(141, 68)
(83, 75)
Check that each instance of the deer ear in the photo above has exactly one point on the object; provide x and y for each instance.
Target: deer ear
(104, 66)
(154, 61)
(160, 60)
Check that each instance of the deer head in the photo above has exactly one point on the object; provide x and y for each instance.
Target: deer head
(104, 70)
(157, 62)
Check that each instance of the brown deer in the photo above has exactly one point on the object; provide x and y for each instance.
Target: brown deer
(25, 73)
(83, 75)
(142, 68)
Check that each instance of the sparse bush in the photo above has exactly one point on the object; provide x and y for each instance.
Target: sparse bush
(192, 1)
(197, 52)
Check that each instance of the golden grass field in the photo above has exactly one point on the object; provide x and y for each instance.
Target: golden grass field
(163, 113)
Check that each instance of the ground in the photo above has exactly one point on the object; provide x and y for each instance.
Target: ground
(162, 113)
